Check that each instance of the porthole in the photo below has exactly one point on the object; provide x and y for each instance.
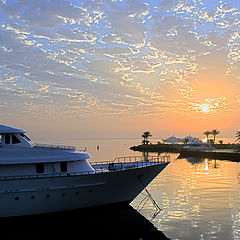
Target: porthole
(32, 197)
(47, 196)
(16, 198)
(76, 193)
(63, 194)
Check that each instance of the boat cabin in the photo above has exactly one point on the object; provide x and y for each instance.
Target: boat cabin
(13, 137)
(19, 157)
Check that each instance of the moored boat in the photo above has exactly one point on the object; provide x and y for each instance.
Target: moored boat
(198, 146)
(37, 179)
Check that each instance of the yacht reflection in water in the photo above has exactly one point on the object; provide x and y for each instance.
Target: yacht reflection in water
(106, 222)
(207, 163)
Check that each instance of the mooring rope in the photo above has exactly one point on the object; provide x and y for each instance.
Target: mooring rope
(146, 198)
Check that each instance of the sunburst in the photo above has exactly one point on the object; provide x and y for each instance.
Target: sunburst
(205, 108)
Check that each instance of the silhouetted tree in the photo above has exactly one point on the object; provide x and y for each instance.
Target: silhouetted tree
(238, 136)
(211, 141)
(215, 132)
(207, 133)
(145, 137)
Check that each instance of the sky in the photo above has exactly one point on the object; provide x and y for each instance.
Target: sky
(117, 68)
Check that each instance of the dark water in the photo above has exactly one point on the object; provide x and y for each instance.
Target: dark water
(108, 222)
(200, 198)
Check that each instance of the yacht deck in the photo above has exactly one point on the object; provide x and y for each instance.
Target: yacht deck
(119, 164)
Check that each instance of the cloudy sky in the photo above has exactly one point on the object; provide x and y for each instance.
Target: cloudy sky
(120, 67)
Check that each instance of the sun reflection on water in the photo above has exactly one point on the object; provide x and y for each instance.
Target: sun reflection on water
(200, 199)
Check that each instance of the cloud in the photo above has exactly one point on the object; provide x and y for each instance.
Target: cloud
(114, 52)
(168, 4)
(44, 88)
(75, 35)
(125, 22)
(45, 14)
(117, 56)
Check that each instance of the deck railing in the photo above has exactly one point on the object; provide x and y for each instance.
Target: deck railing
(118, 162)
(165, 158)
(132, 159)
(52, 146)
(136, 159)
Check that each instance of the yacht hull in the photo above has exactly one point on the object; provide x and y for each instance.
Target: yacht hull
(53, 194)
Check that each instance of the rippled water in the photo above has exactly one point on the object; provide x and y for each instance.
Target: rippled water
(200, 198)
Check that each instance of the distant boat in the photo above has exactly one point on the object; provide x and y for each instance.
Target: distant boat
(36, 179)
(190, 138)
(172, 139)
(198, 146)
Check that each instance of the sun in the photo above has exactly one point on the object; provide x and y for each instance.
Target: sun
(205, 108)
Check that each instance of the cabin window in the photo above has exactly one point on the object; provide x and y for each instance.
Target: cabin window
(7, 139)
(24, 136)
(15, 140)
(0, 139)
(63, 166)
(40, 168)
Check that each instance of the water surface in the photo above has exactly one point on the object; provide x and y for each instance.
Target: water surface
(200, 198)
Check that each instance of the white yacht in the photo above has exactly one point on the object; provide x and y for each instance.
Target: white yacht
(36, 179)
(199, 146)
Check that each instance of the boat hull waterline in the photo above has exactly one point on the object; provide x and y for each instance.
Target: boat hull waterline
(39, 195)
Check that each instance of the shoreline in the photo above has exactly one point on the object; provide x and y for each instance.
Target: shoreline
(179, 148)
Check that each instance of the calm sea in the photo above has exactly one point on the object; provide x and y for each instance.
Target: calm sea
(199, 198)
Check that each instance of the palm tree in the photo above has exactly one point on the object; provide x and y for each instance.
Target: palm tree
(238, 136)
(207, 133)
(215, 132)
(145, 137)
